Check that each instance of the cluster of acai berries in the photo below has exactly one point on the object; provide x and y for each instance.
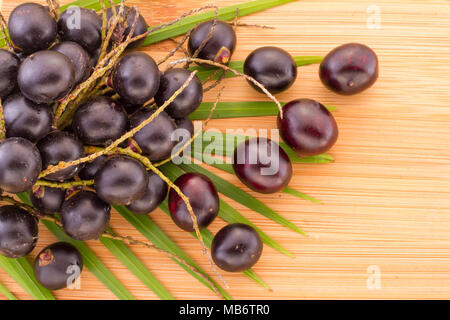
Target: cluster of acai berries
(53, 56)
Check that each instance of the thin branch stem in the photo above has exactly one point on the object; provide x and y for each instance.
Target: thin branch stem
(64, 185)
(2, 122)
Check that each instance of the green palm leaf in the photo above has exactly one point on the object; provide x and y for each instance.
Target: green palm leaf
(228, 13)
(145, 225)
(22, 272)
(8, 295)
(242, 109)
(126, 256)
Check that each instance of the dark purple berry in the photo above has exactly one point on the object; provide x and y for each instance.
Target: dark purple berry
(100, 121)
(154, 194)
(31, 27)
(136, 78)
(9, 66)
(46, 76)
(220, 46)
(154, 139)
(121, 180)
(47, 199)
(262, 165)
(90, 169)
(236, 247)
(349, 69)
(273, 67)
(84, 216)
(26, 119)
(82, 26)
(58, 265)
(186, 124)
(202, 196)
(79, 57)
(18, 232)
(20, 165)
(60, 146)
(187, 101)
(308, 127)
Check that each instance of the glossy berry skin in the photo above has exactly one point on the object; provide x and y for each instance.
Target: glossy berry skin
(236, 247)
(20, 165)
(136, 78)
(60, 146)
(9, 66)
(262, 165)
(57, 264)
(308, 127)
(220, 46)
(349, 69)
(100, 121)
(121, 180)
(47, 199)
(26, 119)
(88, 33)
(141, 26)
(155, 193)
(187, 101)
(84, 216)
(273, 67)
(186, 124)
(203, 198)
(155, 138)
(46, 76)
(90, 169)
(31, 27)
(18, 232)
(79, 57)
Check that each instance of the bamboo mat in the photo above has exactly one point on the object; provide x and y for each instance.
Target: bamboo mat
(386, 199)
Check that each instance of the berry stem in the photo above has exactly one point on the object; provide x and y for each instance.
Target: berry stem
(62, 165)
(237, 73)
(64, 185)
(53, 6)
(2, 122)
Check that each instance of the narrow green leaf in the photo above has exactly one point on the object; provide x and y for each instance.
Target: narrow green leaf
(300, 195)
(145, 225)
(204, 72)
(230, 190)
(223, 144)
(8, 295)
(228, 13)
(225, 110)
(90, 260)
(127, 257)
(22, 272)
(89, 4)
(227, 167)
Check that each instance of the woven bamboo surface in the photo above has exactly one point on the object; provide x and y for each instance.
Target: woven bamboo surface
(386, 199)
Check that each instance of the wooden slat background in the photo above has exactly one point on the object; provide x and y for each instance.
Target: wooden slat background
(386, 199)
